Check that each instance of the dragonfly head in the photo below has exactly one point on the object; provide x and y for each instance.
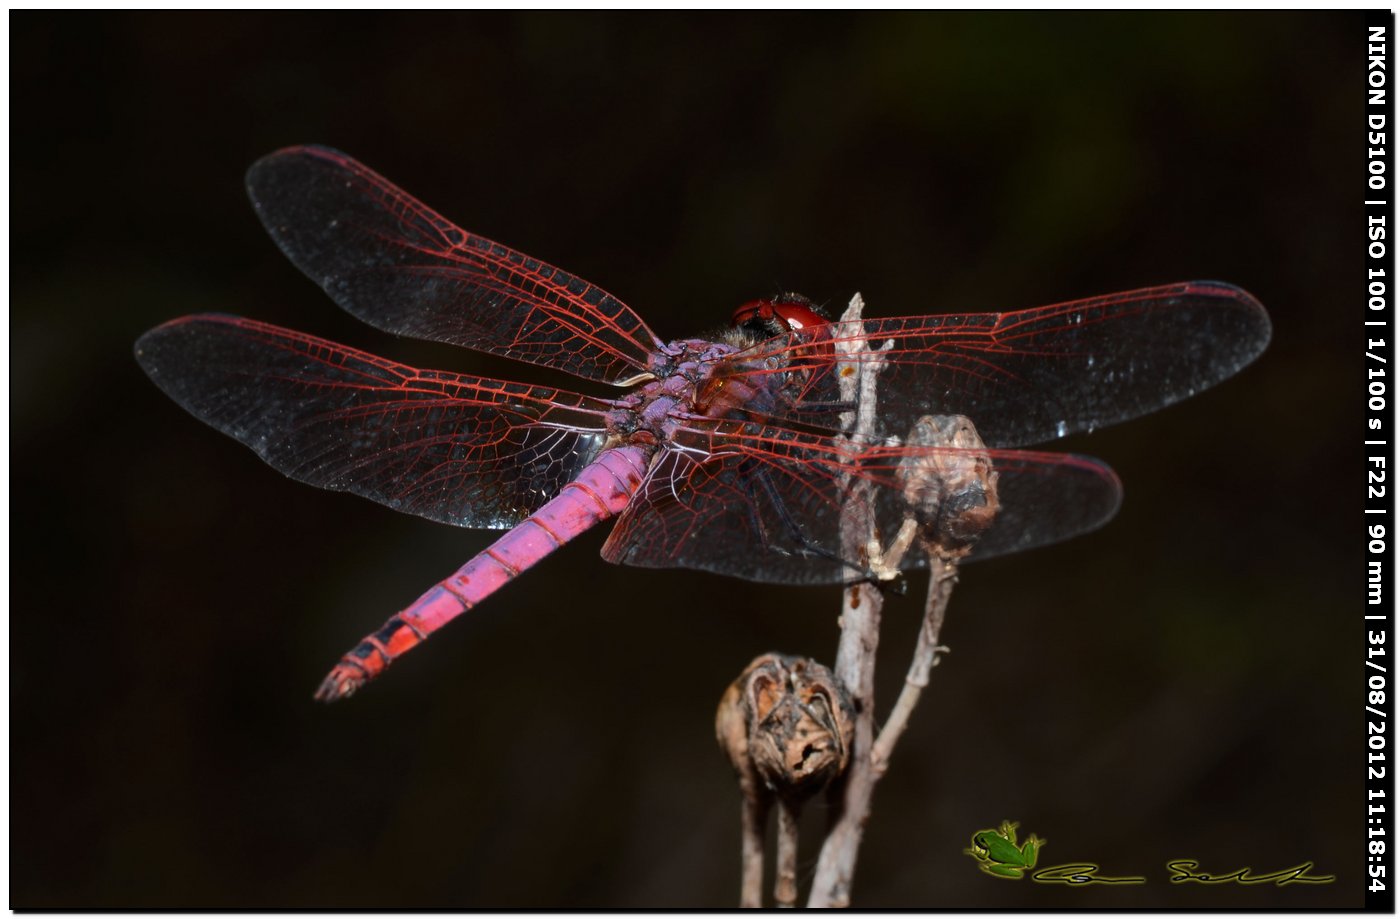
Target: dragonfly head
(778, 315)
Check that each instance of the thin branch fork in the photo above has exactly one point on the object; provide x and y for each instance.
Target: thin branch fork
(943, 574)
(767, 722)
(870, 759)
(928, 481)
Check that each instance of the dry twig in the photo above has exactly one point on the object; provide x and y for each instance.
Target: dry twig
(765, 722)
(951, 498)
(860, 628)
(943, 574)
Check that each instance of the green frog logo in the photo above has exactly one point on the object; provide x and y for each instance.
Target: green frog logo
(998, 854)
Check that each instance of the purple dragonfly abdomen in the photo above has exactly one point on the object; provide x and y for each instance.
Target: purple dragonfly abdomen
(601, 491)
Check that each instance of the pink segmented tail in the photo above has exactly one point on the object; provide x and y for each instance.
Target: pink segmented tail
(601, 490)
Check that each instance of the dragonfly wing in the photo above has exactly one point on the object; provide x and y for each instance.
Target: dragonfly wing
(768, 503)
(398, 265)
(1030, 376)
(457, 449)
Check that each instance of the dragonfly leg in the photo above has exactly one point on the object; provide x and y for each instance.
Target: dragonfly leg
(757, 479)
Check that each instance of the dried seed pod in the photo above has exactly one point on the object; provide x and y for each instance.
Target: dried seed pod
(953, 493)
(787, 724)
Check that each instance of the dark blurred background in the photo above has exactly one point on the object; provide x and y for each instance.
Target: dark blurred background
(1183, 683)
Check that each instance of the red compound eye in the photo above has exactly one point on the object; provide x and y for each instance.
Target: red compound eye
(785, 313)
(753, 311)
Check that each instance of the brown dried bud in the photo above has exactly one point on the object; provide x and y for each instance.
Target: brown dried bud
(953, 493)
(786, 724)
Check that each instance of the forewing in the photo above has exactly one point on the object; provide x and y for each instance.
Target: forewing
(769, 504)
(1030, 376)
(458, 449)
(398, 265)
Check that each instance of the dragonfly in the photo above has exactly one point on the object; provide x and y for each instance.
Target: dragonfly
(731, 453)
